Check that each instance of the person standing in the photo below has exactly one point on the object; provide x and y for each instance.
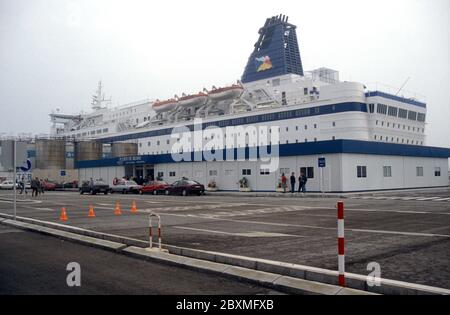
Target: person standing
(34, 187)
(283, 182)
(292, 182)
(302, 186)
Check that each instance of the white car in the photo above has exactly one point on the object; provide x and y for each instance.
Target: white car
(8, 184)
(125, 187)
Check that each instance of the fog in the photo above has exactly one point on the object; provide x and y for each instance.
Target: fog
(53, 52)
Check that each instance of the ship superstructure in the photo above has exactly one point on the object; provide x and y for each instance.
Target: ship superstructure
(306, 105)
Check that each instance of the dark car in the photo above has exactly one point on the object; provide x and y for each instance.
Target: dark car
(185, 187)
(154, 187)
(94, 187)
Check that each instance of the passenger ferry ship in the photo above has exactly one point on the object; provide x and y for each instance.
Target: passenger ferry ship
(307, 106)
(355, 138)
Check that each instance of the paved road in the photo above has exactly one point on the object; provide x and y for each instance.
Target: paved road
(36, 264)
(410, 239)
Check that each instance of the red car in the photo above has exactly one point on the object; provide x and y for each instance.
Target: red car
(49, 186)
(154, 188)
(185, 187)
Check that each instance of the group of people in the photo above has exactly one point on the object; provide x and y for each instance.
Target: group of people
(36, 184)
(302, 179)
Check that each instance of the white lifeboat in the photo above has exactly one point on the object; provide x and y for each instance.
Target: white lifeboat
(224, 93)
(193, 100)
(164, 106)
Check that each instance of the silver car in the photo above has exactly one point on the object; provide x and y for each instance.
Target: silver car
(125, 187)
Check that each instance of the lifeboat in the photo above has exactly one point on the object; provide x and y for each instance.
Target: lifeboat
(164, 106)
(224, 93)
(193, 100)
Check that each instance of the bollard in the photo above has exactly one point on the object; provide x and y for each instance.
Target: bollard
(151, 231)
(341, 251)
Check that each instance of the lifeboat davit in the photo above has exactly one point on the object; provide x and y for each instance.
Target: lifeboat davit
(193, 100)
(228, 92)
(164, 106)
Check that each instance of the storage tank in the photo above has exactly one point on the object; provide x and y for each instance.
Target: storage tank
(121, 149)
(50, 153)
(88, 150)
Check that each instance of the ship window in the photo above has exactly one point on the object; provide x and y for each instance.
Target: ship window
(140, 145)
(306, 140)
(382, 109)
(334, 124)
(392, 111)
(315, 139)
(305, 91)
(105, 130)
(402, 113)
(371, 108)
(315, 126)
(361, 171)
(333, 138)
(421, 117)
(148, 143)
(306, 127)
(375, 137)
(296, 128)
(157, 142)
(412, 115)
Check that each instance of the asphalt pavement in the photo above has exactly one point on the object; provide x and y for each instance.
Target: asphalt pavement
(407, 233)
(32, 263)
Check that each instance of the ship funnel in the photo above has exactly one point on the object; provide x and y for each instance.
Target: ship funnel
(275, 53)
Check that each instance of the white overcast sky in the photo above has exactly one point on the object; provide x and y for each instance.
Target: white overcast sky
(53, 52)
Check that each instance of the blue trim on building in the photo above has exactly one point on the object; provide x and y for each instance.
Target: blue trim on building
(269, 117)
(295, 149)
(396, 98)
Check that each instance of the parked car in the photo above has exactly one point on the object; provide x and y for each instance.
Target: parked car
(154, 187)
(48, 185)
(94, 187)
(8, 184)
(72, 184)
(125, 187)
(185, 187)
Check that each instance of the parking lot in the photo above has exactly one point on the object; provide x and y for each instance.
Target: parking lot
(407, 236)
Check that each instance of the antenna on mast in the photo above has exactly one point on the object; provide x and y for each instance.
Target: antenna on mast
(401, 88)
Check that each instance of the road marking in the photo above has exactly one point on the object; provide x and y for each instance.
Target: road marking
(247, 234)
(443, 199)
(427, 198)
(314, 227)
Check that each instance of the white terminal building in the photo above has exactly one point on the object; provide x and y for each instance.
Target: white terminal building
(277, 119)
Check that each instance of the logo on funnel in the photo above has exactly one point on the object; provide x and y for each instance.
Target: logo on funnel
(263, 63)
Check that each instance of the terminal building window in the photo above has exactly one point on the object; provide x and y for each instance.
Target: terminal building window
(213, 173)
(308, 171)
(361, 171)
(419, 171)
(387, 171)
(172, 174)
(161, 175)
(264, 171)
(246, 171)
(437, 171)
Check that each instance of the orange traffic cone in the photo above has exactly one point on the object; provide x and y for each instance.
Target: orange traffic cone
(117, 211)
(133, 207)
(63, 216)
(91, 212)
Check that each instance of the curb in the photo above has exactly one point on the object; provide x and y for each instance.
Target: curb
(354, 281)
(275, 281)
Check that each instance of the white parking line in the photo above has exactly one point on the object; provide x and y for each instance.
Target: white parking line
(313, 227)
(247, 234)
